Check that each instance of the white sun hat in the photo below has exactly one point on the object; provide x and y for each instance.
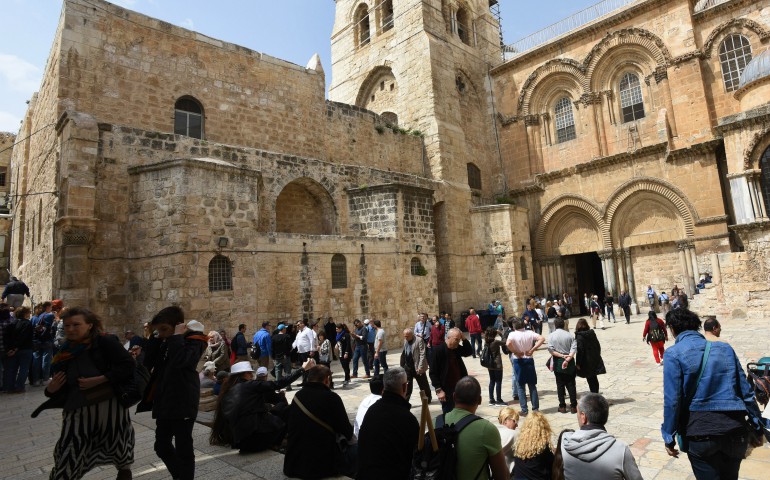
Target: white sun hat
(241, 367)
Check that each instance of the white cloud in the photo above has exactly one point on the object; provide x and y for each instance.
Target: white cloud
(20, 75)
(9, 122)
(187, 23)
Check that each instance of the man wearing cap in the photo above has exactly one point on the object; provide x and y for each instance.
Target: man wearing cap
(281, 351)
(371, 336)
(14, 292)
(361, 351)
(263, 339)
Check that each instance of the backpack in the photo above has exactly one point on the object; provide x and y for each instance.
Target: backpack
(440, 464)
(41, 332)
(486, 357)
(759, 379)
(256, 351)
(132, 392)
(656, 333)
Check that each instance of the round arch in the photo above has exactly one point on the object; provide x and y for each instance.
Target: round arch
(568, 68)
(304, 206)
(553, 235)
(736, 25)
(371, 83)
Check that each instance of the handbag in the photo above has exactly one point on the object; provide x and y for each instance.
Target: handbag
(343, 452)
(549, 364)
(99, 393)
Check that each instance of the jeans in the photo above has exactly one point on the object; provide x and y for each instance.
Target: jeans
(380, 359)
(495, 384)
(610, 313)
(178, 456)
(360, 352)
(523, 393)
(370, 355)
(718, 458)
(282, 365)
(476, 344)
(41, 363)
(514, 384)
(16, 370)
(565, 381)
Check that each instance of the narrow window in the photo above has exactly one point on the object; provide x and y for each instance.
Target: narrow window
(631, 98)
(2, 176)
(415, 267)
(565, 122)
(363, 36)
(220, 274)
(387, 15)
(734, 55)
(523, 267)
(188, 117)
(39, 221)
(339, 271)
(474, 176)
(463, 25)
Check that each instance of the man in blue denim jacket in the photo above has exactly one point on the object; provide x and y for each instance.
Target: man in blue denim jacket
(714, 428)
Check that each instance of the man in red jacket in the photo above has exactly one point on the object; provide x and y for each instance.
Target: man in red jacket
(473, 324)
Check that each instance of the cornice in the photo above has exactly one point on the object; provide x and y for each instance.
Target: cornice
(704, 147)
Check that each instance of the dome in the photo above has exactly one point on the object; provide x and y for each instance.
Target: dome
(757, 69)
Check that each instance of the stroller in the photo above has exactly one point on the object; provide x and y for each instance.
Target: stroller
(758, 375)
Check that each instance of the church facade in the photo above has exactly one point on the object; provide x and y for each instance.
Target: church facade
(443, 171)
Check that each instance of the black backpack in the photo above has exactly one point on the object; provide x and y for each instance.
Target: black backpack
(440, 464)
(486, 356)
(256, 352)
(656, 333)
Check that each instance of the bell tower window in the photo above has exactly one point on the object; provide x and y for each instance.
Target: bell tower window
(363, 28)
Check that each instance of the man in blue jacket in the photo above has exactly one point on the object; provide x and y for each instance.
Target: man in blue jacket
(264, 340)
(706, 401)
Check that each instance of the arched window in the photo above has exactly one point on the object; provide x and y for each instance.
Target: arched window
(523, 267)
(565, 122)
(390, 117)
(188, 117)
(463, 25)
(734, 55)
(387, 15)
(631, 101)
(415, 267)
(474, 176)
(220, 274)
(363, 31)
(339, 271)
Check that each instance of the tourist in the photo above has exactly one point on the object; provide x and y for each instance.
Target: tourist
(609, 303)
(473, 325)
(315, 417)
(42, 345)
(479, 448)
(390, 427)
(325, 353)
(711, 328)
(587, 303)
(706, 405)
(330, 331)
(6, 324)
(522, 344)
(415, 363)
(624, 302)
(509, 418)
(422, 327)
(495, 368)
(217, 352)
(344, 350)
(306, 342)
(437, 333)
(96, 427)
(532, 456)
(375, 393)
(281, 351)
(361, 352)
(380, 349)
(14, 292)
(562, 347)
(655, 334)
(209, 377)
(588, 362)
(173, 394)
(18, 351)
(262, 338)
(665, 304)
(651, 297)
(130, 339)
(251, 413)
(240, 346)
(447, 367)
(591, 452)
(550, 312)
(596, 311)
(371, 336)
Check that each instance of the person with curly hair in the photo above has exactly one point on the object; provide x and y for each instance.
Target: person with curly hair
(533, 455)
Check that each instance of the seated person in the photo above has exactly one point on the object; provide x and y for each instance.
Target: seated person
(221, 377)
(209, 379)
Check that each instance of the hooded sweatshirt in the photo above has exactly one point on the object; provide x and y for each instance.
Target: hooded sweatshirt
(591, 452)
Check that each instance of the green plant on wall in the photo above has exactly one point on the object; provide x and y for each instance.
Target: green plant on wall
(420, 270)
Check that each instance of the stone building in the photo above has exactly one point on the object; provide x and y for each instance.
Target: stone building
(442, 172)
(6, 225)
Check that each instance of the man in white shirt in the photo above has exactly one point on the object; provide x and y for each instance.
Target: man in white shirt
(375, 387)
(306, 342)
(380, 349)
(522, 344)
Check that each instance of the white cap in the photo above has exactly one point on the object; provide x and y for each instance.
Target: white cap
(195, 326)
(366, 321)
(241, 367)
(262, 372)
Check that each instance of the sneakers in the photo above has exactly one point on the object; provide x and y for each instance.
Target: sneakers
(500, 402)
(492, 403)
(660, 364)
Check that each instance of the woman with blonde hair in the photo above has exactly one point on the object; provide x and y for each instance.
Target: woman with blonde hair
(218, 352)
(533, 455)
(509, 419)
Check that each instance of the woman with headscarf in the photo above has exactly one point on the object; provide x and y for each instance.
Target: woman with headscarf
(218, 352)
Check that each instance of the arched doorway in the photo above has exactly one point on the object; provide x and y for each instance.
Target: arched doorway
(304, 206)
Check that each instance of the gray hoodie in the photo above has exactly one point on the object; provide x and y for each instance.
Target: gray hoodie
(593, 453)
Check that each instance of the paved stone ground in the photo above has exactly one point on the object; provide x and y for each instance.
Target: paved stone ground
(634, 386)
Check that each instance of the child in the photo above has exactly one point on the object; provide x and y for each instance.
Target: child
(173, 394)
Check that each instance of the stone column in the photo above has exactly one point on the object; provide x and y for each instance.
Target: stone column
(716, 270)
(611, 270)
(694, 260)
(559, 278)
(603, 257)
(544, 277)
(551, 278)
(630, 274)
(593, 104)
(685, 261)
(531, 122)
(661, 78)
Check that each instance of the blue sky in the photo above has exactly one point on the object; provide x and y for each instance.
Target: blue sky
(289, 29)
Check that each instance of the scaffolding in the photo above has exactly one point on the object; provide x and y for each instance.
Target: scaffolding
(494, 8)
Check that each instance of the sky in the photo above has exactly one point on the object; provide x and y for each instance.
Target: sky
(292, 30)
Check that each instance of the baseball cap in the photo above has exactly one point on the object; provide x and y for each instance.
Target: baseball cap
(262, 372)
(366, 321)
(281, 326)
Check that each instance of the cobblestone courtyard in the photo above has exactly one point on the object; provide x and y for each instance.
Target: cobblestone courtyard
(634, 386)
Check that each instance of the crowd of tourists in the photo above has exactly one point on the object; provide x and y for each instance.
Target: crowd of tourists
(94, 377)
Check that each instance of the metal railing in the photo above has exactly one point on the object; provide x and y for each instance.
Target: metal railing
(569, 24)
(706, 4)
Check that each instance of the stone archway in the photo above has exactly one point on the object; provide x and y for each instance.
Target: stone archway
(304, 206)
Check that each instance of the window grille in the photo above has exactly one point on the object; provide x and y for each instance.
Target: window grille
(339, 271)
(415, 267)
(188, 118)
(220, 274)
(631, 100)
(734, 55)
(565, 121)
(474, 176)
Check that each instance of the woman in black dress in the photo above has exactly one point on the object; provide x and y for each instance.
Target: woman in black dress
(588, 361)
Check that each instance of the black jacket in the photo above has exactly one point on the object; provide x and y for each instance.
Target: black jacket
(389, 427)
(439, 365)
(310, 448)
(346, 345)
(624, 301)
(19, 336)
(16, 288)
(589, 354)
(174, 388)
(281, 344)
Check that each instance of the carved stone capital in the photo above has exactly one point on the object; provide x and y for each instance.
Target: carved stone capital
(660, 74)
(590, 98)
(532, 120)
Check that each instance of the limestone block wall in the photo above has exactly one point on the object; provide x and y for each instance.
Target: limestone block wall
(656, 265)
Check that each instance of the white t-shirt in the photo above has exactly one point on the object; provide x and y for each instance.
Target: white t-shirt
(523, 340)
(362, 408)
(380, 338)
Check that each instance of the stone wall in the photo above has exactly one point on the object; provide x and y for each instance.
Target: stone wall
(6, 225)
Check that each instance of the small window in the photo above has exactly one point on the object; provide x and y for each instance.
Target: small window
(474, 176)
(220, 274)
(415, 267)
(565, 122)
(188, 118)
(2, 176)
(339, 271)
(463, 25)
(734, 55)
(387, 15)
(631, 101)
(523, 267)
(363, 32)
